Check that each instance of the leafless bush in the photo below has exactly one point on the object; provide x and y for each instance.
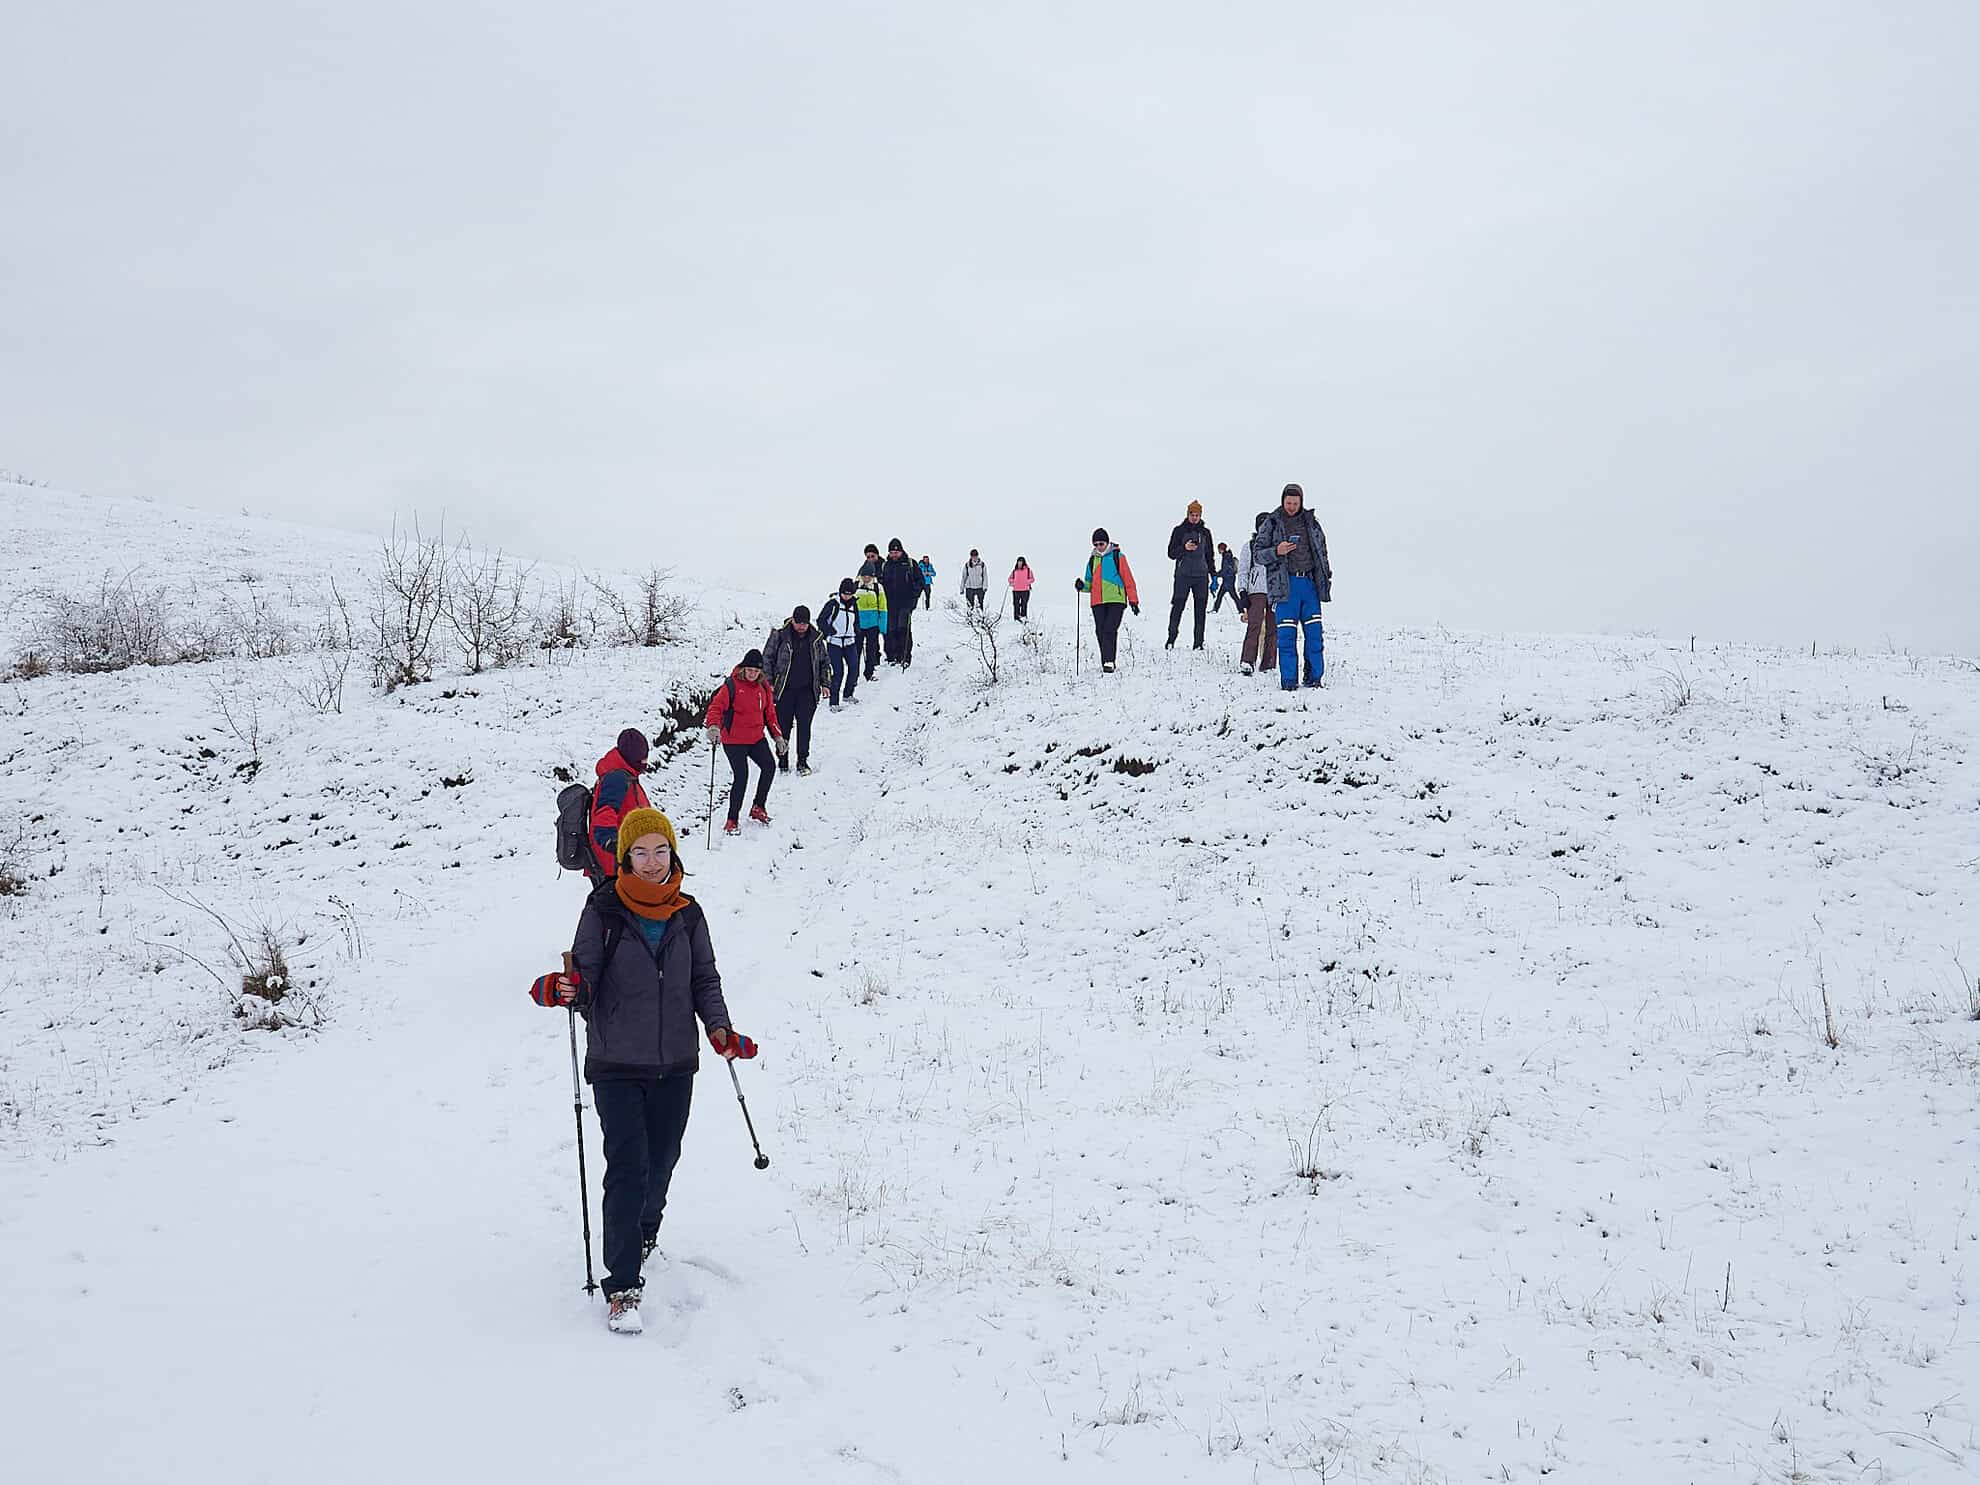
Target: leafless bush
(486, 602)
(654, 616)
(321, 687)
(13, 864)
(566, 622)
(410, 596)
(252, 629)
(1677, 688)
(239, 706)
(981, 625)
(123, 623)
(268, 997)
(15, 477)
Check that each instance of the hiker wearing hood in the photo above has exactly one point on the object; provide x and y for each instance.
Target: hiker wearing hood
(1109, 587)
(927, 582)
(741, 719)
(900, 577)
(1299, 578)
(975, 580)
(641, 971)
(1189, 549)
(838, 621)
(795, 662)
(617, 794)
(1261, 642)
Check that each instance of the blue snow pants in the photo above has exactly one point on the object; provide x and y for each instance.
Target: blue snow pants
(1301, 610)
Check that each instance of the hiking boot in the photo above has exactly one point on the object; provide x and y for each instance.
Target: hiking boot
(1244, 669)
(1313, 682)
(804, 770)
(1169, 645)
(730, 827)
(759, 814)
(1288, 685)
(622, 1312)
(835, 706)
(1108, 667)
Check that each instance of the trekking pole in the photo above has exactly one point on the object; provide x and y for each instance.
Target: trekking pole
(1075, 632)
(762, 1160)
(710, 844)
(577, 1110)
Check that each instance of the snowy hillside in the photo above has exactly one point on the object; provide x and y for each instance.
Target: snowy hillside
(1527, 1058)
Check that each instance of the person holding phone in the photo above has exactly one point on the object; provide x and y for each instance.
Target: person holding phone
(1299, 578)
(1190, 549)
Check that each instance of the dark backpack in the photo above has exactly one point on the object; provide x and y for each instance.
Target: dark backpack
(574, 828)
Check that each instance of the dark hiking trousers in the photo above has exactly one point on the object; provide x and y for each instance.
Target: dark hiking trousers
(740, 757)
(870, 644)
(1261, 632)
(794, 714)
(1107, 629)
(643, 1119)
(900, 635)
(1187, 588)
(845, 671)
(1020, 602)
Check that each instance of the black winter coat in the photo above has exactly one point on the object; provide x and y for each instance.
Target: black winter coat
(901, 578)
(1197, 563)
(639, 1019)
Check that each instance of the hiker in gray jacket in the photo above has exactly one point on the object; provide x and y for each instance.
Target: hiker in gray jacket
(1261, 642)
(798, 669)
(640, 971)
(1299, 578)
(975, 580)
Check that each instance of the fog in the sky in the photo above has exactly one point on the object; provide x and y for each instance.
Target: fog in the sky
(1569, 316)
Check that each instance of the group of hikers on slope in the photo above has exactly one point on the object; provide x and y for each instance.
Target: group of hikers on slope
(642, 970)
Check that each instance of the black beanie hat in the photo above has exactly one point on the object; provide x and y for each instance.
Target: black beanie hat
(847, 585)
(896, 546)
(753, 660)
(1100, 533)
(801, 615)
(632, 747)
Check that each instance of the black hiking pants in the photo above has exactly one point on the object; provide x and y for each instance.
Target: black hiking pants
(794, 713)
(741, 755)
(643, 1119)
(1020, 602)
(1107, 628)
(1187, 588)
(845, 670)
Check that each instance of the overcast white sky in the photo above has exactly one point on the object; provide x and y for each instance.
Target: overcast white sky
(1569, 316)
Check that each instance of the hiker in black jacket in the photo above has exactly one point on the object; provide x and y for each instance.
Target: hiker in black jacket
(1189, 549)
(900, 579)
(795, 664)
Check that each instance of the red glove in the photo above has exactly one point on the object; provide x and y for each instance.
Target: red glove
(731, 1043)
(558, 989)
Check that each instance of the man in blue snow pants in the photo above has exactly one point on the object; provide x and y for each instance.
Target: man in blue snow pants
(1299, 578)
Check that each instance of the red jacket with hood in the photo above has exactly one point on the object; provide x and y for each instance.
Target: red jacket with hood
(618, 794)
(755, 710)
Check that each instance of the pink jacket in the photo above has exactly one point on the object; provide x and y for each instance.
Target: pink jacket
(1021, 580)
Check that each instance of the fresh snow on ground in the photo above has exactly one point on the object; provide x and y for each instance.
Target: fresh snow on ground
(1165, 1078)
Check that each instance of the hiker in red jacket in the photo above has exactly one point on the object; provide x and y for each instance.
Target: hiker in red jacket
(742, 717)
(617, 795)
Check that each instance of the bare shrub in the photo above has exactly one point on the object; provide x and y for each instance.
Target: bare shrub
(268, 997)
(981, 625)
(321, 687)
(252, 629)
(654, 616)
(123, 623)
(410, 596)
(239, 706)
(565, 621)
(13, 864)
(30, 666)
(486, 603)
(1676, 688)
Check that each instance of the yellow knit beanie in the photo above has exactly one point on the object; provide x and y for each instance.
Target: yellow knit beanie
(641, 823)
(1195, 508)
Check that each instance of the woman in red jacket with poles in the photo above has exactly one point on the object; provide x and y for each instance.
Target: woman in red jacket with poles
(742, 718)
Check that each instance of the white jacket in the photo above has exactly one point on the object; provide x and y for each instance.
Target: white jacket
(976, 576)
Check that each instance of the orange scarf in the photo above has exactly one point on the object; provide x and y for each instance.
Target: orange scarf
(655, 904)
